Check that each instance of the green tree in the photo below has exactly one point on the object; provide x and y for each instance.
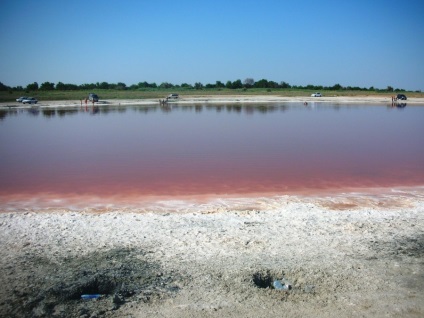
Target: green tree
(166, 85)
(147, 85)
(198, 85)
(263, 83)
(389, 89)
(121, 86)
(86, 86)
(70, 87)
(248, 82)
(143, 84)
(104, 85)
(272, 84)
(4, 87)
(60, 86)
(336, 87)
(47, 86)
(237, 84)
(32, 87)
(219, 84)
(284, 85)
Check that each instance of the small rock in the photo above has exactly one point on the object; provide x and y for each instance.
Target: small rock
(309, 289)
(117, 299)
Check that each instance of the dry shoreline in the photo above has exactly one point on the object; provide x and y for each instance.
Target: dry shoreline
(343, 254)
(206, 99)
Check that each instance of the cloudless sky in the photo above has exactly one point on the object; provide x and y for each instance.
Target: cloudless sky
(353, 43)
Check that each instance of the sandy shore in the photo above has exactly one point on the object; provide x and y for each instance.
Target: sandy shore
(226, 99)
(343, 255)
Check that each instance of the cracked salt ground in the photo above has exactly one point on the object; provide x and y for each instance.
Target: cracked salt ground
(356, 262)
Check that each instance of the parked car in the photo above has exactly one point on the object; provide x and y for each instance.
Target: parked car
(29, 100)
(21, 98)
(401, 97)
(93, 97)
(316, 95)
(172, 96)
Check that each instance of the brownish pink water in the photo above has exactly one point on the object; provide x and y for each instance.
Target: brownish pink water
(127, 154)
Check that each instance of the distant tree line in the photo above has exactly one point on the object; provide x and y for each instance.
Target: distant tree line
(237, 84)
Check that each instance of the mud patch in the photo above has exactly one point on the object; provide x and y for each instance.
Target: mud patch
(45, 287)
(400, 247)
(263, 279)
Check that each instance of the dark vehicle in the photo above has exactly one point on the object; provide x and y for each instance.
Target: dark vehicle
(401, 97)
(93, 97)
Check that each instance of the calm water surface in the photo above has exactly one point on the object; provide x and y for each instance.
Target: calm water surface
(137, 151)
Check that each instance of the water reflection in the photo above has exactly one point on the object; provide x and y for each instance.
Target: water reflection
(166, 108)
(35, 111)
(68, 112)
(396, 105)
(9, 112)
(49, 112)
(247, 109)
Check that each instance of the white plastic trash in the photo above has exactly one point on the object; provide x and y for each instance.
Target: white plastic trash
(279, 286)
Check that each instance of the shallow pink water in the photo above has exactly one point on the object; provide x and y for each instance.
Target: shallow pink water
(125, 154)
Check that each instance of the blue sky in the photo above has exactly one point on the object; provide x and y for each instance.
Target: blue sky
(354, 43)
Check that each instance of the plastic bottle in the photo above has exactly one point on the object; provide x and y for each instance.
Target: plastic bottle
(279, 286)
(91, 296)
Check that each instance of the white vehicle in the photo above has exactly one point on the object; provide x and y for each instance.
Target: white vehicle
(316, 95)
(29, 100)
(172, 96)
(20, 99)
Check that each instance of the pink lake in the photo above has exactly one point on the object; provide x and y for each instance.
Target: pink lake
(122, 154)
